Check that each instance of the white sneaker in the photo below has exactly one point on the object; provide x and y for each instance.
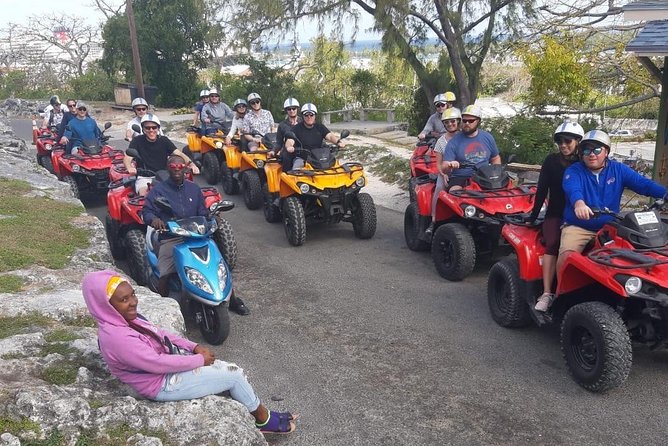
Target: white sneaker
(544, 302)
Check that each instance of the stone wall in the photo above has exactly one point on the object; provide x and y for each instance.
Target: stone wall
(95, 404)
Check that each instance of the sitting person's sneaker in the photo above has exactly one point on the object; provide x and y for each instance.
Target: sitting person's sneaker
(430, 230)
(544, 302)
(238, 306)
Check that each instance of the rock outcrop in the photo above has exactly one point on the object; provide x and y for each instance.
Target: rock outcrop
(53, 381)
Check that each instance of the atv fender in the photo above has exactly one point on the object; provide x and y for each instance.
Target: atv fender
(424, 193)
(114, 199)
(526, 241)
(232, 157)
(272, 171)
(288, 185)
(194, 141)
(578, 271)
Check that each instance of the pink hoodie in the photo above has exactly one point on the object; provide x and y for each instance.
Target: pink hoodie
(136, 359)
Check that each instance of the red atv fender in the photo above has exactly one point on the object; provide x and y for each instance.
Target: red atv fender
(423, 161)
(526, 240)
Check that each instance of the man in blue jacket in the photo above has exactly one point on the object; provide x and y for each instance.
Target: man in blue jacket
(186, 200)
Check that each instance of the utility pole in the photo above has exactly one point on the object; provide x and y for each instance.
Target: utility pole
(135, 48)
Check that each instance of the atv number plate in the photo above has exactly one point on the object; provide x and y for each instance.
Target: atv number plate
(646, 218)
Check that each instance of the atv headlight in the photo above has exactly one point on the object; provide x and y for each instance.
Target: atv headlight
(304, 188)
(361, 181)
(219, 144)
(469, 211)
(198, 280)
(633, 285)
(222, 275)
(48, 147)
(76, 168)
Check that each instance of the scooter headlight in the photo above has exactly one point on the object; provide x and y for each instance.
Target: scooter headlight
(469, 211)
(219, 144)
(633, 285)
(304, 188)
(260, 164)
(48, 146)
(198, 280)
(180, 231)
(222, 275)
(361, 181)
(76, 168)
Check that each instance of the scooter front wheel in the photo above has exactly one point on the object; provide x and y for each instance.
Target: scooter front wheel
(215, 323)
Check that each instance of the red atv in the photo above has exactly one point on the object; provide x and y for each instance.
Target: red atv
(423, 163)
(613, 293)
(45, 141)
(468, 221)
(126, 230)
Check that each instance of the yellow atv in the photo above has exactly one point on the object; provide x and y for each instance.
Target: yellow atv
(323, 190)
(207, 151)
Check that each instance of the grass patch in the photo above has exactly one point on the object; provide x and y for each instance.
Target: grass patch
(15, 427)
(28, 227)
(26, 323)
(60, 335)
(60, 373)
(81, 321)
(11, 283)
(57, 347)
(392, 169)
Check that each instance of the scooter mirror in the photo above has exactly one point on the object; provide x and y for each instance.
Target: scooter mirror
(132, 152)
(290, 135)
(107, 125)
(345, 134)
(511, 158)
(136, 128)
(163, 205)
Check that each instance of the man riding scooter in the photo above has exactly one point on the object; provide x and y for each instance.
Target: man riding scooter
(186, 200)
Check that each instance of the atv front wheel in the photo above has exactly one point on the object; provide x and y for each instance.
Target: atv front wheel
(272, 213)
(504, 297)
(252, 187)
(230, 184)
(210, 168)
(453, 251)
(215, 323)
(596, 346)
(226, 242)
(135, 244)
(111, 227)
(74, 187)
(364, 221)
(294, 221)
(412, 228)
(45, 162)
(412, 182)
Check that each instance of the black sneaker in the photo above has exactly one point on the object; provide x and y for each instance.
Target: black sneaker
(430, 230)
(238, 306)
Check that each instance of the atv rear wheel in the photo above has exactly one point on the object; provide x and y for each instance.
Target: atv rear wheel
(215, 323)
(226, 242)
(294, 221)
(272, 213)
(364, 221)
(74, 187)
(135, 245)
(412, 226)
(596, 346)
(252, 188)
(504, 296)
(210, 168)
(453, 251)
(116, 247)
(45, 162)
(230, 184)
(412, 182)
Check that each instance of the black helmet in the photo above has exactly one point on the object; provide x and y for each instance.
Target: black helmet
(54, 100)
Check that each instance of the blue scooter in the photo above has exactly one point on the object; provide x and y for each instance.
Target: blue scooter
(203, 278)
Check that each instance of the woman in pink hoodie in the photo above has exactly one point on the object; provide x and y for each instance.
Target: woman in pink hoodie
(161, 365)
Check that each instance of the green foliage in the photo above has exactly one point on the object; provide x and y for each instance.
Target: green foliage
(94, 85)
(530, 138)
(16, 427)
(175, 38)
(60, 335)
(29, 225)
(16, 83)
(558, 77)
(26, 323)
(364, 86)
(60, 373)
(11, 283)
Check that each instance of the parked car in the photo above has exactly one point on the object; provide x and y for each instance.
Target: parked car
(621, 133)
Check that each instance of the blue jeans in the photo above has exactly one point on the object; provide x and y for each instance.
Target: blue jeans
(209, 380)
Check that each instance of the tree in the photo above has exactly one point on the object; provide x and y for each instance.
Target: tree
(175, 37)
(466, 28)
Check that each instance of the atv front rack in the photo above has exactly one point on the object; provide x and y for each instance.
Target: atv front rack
(343, 168)
(518, 191)
(636, 258)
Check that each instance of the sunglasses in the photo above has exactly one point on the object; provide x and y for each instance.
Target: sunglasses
(254, 102)
(176, 166)
(292, 108)
(564, 140)
(241, 106)
(150, 127)
(214, 95)
(589, 150)
(440, 104)
(450, 121)
(71, 105)
(81, 108)
(308, 115)
(141, 108)
(469, 121)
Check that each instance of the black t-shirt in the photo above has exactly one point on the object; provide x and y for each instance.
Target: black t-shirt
(550, 182)
(283, 128)
(153, 154)
(310, 138)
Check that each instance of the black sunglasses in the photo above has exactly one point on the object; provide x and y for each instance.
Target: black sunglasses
(469, 121)
(254, 102)
(71, 105)
(291, 108)
(595, 150)
(150, 127)
(214, 95)
(440, 104)
(563, 139)
(81, 108)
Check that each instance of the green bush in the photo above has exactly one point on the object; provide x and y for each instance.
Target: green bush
(94, 85)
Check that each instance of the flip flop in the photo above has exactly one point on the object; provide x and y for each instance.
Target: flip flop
(279, 423)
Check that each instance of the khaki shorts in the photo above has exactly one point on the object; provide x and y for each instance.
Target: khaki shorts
(574, 238)
(166, 263)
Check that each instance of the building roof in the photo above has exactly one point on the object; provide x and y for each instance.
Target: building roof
(652, 40)
(646, 10)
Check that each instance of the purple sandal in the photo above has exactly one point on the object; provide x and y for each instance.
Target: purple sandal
(278, 423)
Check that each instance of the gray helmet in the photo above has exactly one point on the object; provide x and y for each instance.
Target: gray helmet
(254, 96)
(596, 136)
(290, 102)
(139, 101)
(239, 102)
(54, 100)
(568, 128)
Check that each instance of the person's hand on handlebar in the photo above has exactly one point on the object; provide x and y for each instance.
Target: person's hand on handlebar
(132, 170)
(582, 211)
(340, 144)
(158, 224)
(452, 164)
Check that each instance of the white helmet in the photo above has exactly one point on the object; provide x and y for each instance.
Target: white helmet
(568, 128)
(290, 102)
(472, 110)
(309, 108)
(239, 102)
(439, 98)
(254, 96)
(213, 91)
(150, 117)
(451, 113)
(598, 136)
(139, 101)
(203, 93)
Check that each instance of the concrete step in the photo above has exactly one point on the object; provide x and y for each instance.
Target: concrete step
(394, 134)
